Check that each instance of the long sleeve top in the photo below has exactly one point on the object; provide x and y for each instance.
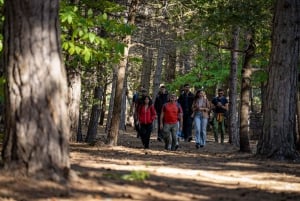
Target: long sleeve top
(146, 114)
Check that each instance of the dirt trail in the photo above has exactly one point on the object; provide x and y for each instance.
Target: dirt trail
(215, 172)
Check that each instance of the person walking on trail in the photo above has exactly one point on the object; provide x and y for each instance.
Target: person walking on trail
(170, 113)
(186, 101)
(146, 116)
(136, 102)
(201, 109)
(161, 98)
(220, 108)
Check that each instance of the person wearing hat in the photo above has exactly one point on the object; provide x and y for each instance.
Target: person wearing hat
(161, 98)
(170, 113)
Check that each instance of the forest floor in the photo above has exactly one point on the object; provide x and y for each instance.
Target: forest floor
(128, 172)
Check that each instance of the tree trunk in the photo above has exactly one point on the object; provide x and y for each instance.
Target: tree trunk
(158, 70)
(37, 123)
(74, 92)
(277, 140)
(112, 137)
(147, 68)
(233, 118)
(103, 106)
(245, 97)
(171, 58)
(95, 115)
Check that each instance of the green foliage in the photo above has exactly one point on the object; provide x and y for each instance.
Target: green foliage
(89, 35)
(133, 176)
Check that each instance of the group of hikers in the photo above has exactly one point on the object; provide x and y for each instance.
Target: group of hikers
(176, 116)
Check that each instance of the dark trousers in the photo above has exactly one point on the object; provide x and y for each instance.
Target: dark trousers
(187, 126)
(159, 131)
(145, 133)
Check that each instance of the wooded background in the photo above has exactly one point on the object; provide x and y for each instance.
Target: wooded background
(110, 48)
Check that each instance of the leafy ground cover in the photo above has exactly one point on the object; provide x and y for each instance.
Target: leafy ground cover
(128, 172)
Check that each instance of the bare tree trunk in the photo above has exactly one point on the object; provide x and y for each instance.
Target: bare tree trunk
(95, 115)
(112, 137)
(233, 118)
(37, 123)
(103, 106)
(297, 134)
(171, 57)
(277, 140)
(74, 92)
(245, 96)
(158, 70)
(111, 101)
(147, 68)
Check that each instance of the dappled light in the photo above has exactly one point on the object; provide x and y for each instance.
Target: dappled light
(129, 172)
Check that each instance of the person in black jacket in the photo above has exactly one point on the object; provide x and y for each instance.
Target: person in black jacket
(161, 98)
(186, 99)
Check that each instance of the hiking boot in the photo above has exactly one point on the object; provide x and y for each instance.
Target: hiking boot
(176, 147)
(197, 146)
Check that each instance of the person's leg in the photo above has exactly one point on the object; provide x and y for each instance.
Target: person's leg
(184, 127)
(174, 128)
(147, 135)
(203, 130)
(167, 136)
(222, 130)
(197, 129)
(142, 133)
(189, 127)
(159, 131)
(215, 128)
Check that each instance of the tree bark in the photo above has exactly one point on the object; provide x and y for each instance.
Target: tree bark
(74, 85)
(112, 137)
(95, 115)
(37, 123)
(233, 118)
(245, 96)
(277, 140)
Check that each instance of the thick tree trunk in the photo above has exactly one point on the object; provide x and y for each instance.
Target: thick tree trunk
(277, 140)
(37, 123)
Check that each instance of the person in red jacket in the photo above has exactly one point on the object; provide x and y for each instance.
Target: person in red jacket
(171, 113)
(146, 116)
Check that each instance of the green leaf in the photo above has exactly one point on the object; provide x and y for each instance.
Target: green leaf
(92, 37)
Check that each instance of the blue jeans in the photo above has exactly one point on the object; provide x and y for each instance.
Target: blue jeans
(200, 123)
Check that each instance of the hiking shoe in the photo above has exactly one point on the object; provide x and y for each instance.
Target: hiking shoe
(176, 147)
(197, 146)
